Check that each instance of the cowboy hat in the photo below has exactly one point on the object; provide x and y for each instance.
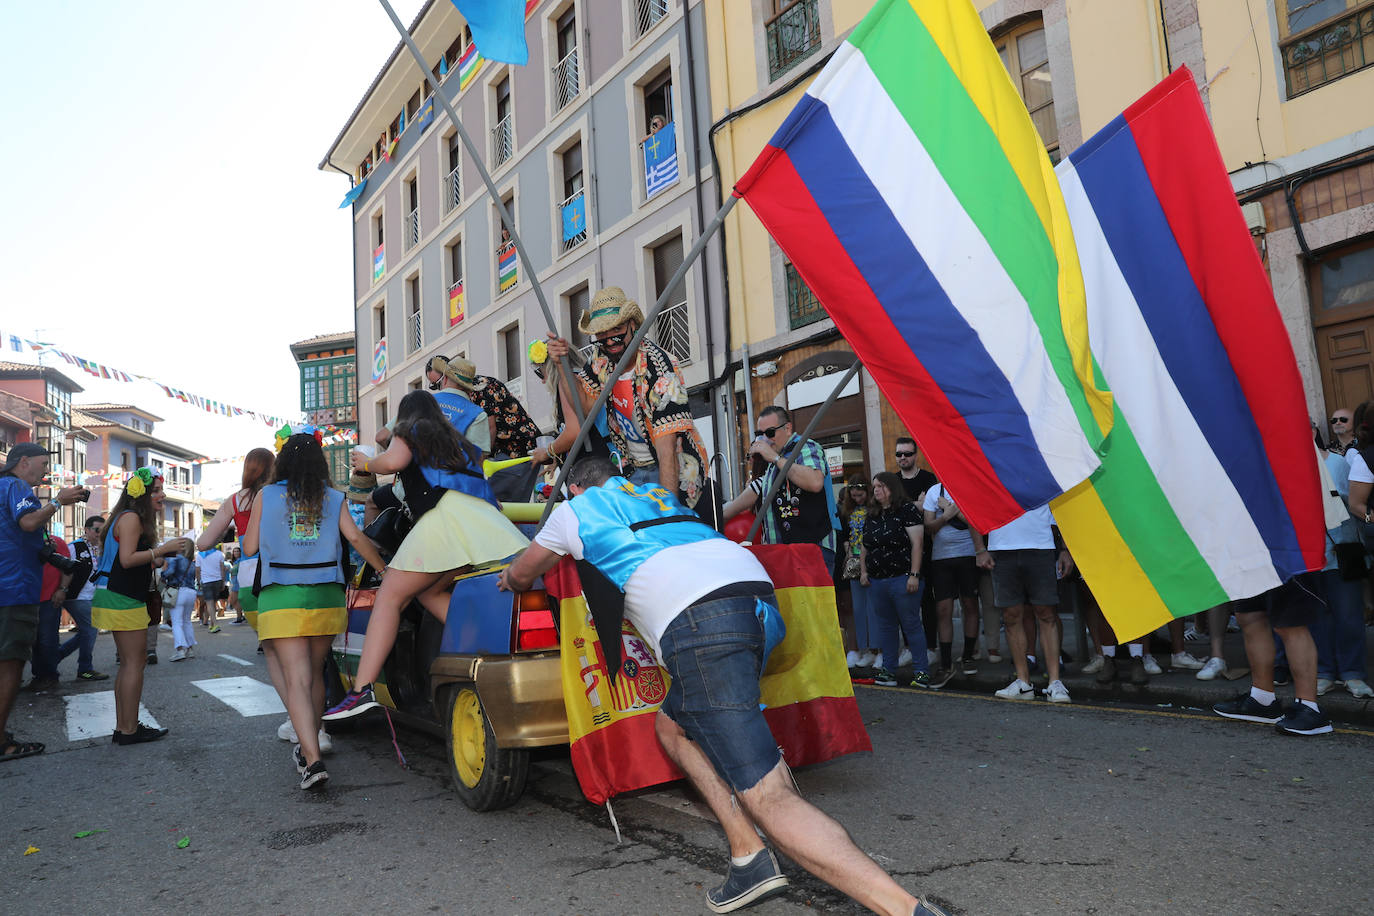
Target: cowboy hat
(458, 370)
(609, 308)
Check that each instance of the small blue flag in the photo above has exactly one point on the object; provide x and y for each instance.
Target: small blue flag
(498, 28)
(575, 217)
(426, 117)
(354, 194)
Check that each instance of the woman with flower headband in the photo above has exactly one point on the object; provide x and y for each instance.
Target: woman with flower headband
(294, 529)
(458, 525)
(120, 603)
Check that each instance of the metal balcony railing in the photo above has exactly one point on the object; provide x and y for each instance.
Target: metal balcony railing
(671, 332)
(415, 333)
(803, 307)
(453, 190)
(648, 13)
(566, 82)
(412, 229)
(792, 35)
(1329, 51)
(502, 141)
(507, 267)
(568, 244)
(588, 352)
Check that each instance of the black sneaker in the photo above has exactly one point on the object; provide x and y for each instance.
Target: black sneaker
(299, 760)
(1282, 676)
(746, 884)
(152, 658)
(1107, 673)
(939, 677)
(140, 735)
(969, 667)
(921, 679)
(314, 776)
(41, 685)
(92, 676)
(1302, 719)
(881, 677)
(1247, 708)
(1139, 676)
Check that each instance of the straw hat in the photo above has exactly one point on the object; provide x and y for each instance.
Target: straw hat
(458, 370)
(360, 486)
(609, 309)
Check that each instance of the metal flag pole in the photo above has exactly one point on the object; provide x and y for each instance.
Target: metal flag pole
(791, 459)
(632, 348)
(476, 157)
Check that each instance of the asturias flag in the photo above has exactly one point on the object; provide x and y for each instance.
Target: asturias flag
(1208, 490)
(912, 194)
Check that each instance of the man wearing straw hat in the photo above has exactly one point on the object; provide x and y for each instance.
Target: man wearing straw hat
(651, 428)
(456, 378)
(510, 429)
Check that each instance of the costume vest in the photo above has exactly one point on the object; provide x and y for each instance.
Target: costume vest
(802, 517)
(297, 550)
(459, 411)
(131, 583)
(622, 525)
(425, 485)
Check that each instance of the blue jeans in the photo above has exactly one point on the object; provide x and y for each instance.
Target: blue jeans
(714, 653)
(865, 634)
(83, 643)
(45, 648)
(1339, 630)
(892, 607)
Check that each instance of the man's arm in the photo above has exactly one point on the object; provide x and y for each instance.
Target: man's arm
(532, 563)
(665, 449)
(747, 499)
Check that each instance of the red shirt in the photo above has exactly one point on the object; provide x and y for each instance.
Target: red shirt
(52, 576)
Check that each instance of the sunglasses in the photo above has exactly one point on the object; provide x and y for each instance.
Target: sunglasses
(863, 488)
(905, 454)
(1335, 420)
(768, 433)
(614, 340)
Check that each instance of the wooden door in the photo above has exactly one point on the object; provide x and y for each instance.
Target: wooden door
(1341, 289)
(1346, 354)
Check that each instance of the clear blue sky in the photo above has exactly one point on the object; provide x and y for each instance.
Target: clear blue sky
(165, 213)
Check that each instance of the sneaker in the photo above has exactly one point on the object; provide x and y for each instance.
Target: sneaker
(140, 735)
(1302, 719)
(746, 884)
(1282, 676)
(1151, 666)
(1017, 690)
(1247, 708)
(152, 658)
(240, 621)
(326, 742)
(967, 667)
(179, 655)
(1140, 675)
(1185, 659)
(354, 703)
(1324, 685)
(1359, 688)
(1231, 625)
(165, 626)
(287, 732)
(92, 676)
(939, 677)
(867, 660)
(994, 657)
(1214, 667)
(882, 677)
(41, 685)
(314, 776)
(1107, 673)
(215, 628)
(905, 658)
(1093, 666)
(923, 679)
(190, 651)
(925, 908)
(298, 759)
(1192, 634)
(852, 659)
(1057, 692)
(878, 661)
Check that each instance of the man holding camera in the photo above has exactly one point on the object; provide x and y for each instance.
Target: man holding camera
(22, 520)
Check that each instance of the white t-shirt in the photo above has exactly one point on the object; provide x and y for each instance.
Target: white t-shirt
(1029, 532)
(211, 566)
(667, 582)
(87, 590)
(1359, 469)
(949, 542)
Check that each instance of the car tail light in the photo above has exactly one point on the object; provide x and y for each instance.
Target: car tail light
(534, 627)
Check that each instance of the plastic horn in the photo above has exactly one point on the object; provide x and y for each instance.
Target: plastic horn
(490, 467)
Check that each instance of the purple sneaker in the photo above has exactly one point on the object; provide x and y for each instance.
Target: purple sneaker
(354, 703)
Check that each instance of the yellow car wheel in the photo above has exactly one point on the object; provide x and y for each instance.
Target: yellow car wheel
(486, 777)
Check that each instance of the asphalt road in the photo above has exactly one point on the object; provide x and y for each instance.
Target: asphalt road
(991, 807)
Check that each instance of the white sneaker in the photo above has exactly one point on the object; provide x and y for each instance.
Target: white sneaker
(326, 742)
(1093, 666)
(932, 657)
(878, 661)
(1057, 692)
(1324, 685)
(868, 660)
(1185, 659)
(904, 658)
(1210, 670)
(1359, 688)
(852, 659)
(190, 651)
(1231, 625)
(180, 655)
(287, 732)
(1151, 666)
(1017, 690)
(994, 657)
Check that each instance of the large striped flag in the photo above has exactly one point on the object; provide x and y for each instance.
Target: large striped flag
(911, 192)
(1208, 490)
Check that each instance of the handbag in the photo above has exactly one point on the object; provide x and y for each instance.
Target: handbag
(852, 567)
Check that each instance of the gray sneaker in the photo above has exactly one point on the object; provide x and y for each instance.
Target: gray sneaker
(746, 884)
(925, 908)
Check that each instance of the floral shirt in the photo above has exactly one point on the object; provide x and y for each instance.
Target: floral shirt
(887, 543)
(659, 408)
(515, 431)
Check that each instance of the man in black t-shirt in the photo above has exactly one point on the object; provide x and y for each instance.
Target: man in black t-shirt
(916, 482)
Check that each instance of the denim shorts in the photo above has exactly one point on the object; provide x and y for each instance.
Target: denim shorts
(714, 653)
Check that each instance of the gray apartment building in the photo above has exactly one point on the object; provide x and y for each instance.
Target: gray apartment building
(565, 139)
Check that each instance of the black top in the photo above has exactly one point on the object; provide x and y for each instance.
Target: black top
(135, 582)
(917, 485)
(887, 543)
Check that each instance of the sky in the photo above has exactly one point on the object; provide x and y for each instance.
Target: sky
(167, 214)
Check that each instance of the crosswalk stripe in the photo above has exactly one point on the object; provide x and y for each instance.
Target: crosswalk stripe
(236, 660)
(247, 696)
(92, 715)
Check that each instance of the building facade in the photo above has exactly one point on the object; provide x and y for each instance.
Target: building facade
(36, 406)
(329, 392)
(597, 146)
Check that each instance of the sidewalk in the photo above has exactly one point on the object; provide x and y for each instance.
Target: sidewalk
(1177, 688)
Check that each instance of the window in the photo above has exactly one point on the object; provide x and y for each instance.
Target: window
(658, 148)
(412, 227)
(803, 307)
(413, 105)
(453, 181)
(1025, 55)
(340, 464)
(671, 327)
(1323, 40)
(573, 210)
(413, 384)
(383, 418)
(793, 34)
(512, 353)
(124, 460)
(379, 320)
(1344, 279)
(60, 400)
(649, 13)
(566, 81)
(507, 272)
(503, 134)
(453, 298)
(414, 315)
(378, 246)
(578, 300)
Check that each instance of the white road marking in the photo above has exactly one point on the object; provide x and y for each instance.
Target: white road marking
(92, 715)
(236, 660)
(246, 695)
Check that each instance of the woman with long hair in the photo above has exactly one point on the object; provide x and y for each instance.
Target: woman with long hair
(120, 603)
(180, 574)
(293, 529)
(890, 568)
(457, 525)
(854, 508)
(257, 473)
(550, 372)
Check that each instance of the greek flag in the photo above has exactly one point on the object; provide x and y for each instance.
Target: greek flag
(660, 160)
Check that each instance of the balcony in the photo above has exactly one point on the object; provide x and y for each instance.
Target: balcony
(572, 216)
(803, 307)
(671, 332)
(1328, 52)
(507, 274)
(648, 13)
(412, 229)
(453, 190)
(456, 308)
(566, 83)
(793, 35)
(502, 141)
(415, 336)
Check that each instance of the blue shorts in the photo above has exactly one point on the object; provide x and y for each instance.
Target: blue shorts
(714, 653)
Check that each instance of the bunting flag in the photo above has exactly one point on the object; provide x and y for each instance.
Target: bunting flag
(808, 697)
(468, 65)
(378, 262)
(505, 267)
(1207, 490)
(912, 194)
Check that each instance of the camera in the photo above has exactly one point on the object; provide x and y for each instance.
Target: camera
(48, 554)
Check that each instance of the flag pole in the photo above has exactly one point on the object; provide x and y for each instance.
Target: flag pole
(791, 459)
(632, 348)
(476, 157)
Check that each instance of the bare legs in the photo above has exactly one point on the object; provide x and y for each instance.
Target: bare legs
(300, 684)
(1018, 643)
(132, 646)
(11, 674)
(399, 588)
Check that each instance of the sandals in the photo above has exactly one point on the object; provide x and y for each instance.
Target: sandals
(13, 749)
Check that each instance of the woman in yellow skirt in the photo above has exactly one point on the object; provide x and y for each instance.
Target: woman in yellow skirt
(458, 524)
(294, 530)
(120, 602)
